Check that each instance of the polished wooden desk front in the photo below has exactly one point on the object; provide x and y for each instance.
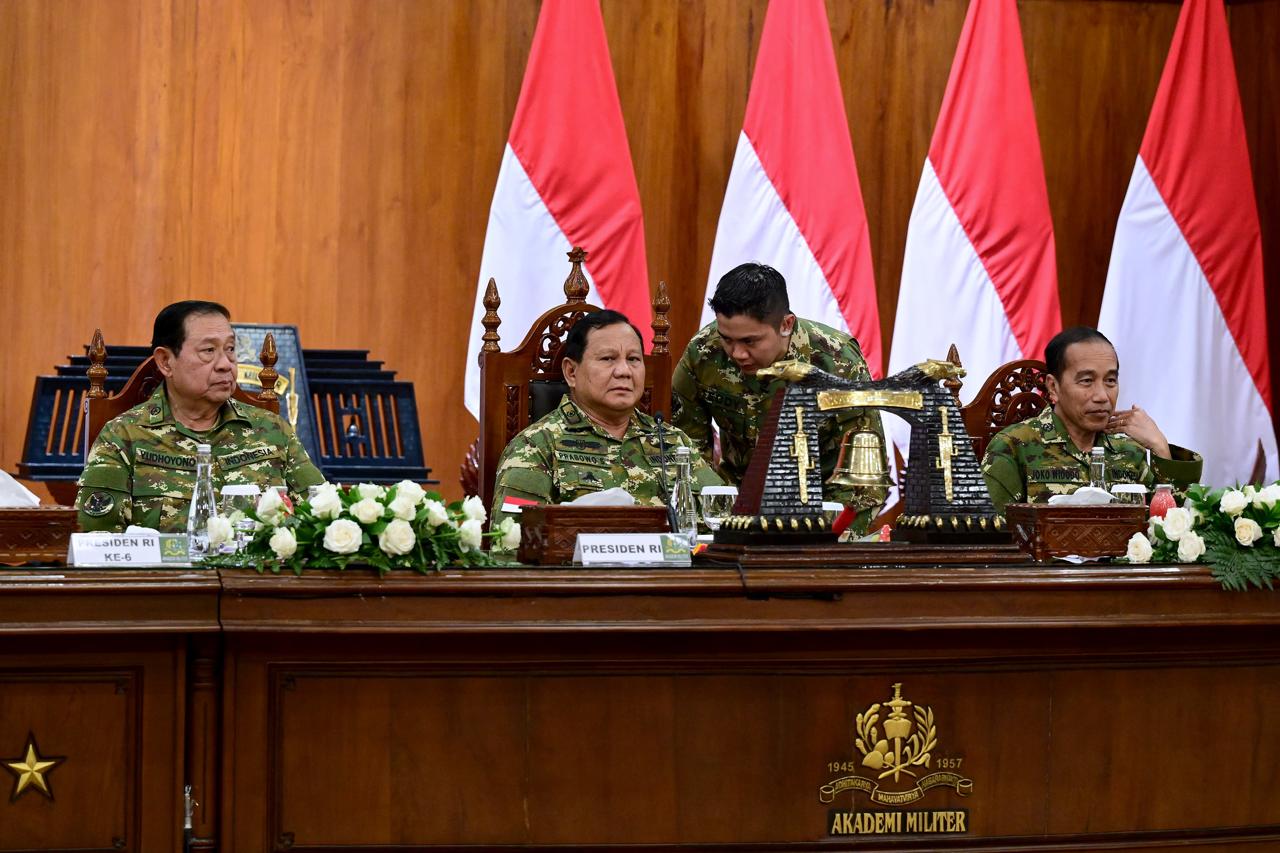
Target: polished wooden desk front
(1101, 708)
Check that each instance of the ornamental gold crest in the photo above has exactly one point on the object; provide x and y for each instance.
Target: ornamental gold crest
(896, 763)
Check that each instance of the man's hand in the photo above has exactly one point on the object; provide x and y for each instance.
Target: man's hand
(1139, 426)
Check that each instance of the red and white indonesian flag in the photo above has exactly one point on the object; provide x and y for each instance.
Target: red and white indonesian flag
(1184, 297)
(979, 269)
(793, 200)
(566, 180)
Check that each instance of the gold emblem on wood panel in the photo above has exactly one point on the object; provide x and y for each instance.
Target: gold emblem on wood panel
(31, 770)
(896, 762)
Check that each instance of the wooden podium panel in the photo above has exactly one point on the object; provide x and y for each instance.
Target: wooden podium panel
(1101, 708)
(93, 666)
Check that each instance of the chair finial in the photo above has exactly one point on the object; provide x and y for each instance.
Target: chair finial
(661, 305)
(575, 286)
(491, 321)
(954, 384)
(267, 375)
(97, 366)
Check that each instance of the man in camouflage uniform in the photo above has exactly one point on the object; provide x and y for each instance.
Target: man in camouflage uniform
(1049, 454)
(565, 456)
(715, 381)
(141, 469)
(596, 439)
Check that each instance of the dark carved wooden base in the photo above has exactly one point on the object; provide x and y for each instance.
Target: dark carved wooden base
(861, 554)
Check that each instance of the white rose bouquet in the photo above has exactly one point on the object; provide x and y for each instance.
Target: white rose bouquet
(386, 527)
(1236, 530)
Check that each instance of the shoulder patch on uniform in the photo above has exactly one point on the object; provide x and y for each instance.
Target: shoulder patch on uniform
(99, 504)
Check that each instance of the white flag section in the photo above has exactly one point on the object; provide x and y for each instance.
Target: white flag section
(1178, 358)
(950, 299)
(1184, 301)
(562, 185)
(755, 225)
(525, 253)
(979, 268)
(794, 201)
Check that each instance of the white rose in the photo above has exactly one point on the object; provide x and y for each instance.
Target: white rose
(511, 534)
(367, 511)
(1233, 502)
(1266, 498)
(436, 513)
(283, 543)
(410, 490)
(342, 536)
(404, 507)
(219, 530)
(1247, 531)
(1190, 547)
(1250, 490)
(398, 538)
(473, 508)
(1139, 550)
(369, 491)
(271, 507)
(1177, 521)
(470, 534)
(325, 501)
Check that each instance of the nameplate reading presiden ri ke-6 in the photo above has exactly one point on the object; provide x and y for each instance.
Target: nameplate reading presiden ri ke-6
(897, 763)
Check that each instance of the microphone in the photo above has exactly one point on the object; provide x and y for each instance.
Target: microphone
(662, 472)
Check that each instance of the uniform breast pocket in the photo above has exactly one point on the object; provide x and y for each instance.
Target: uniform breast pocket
(728, 410)
(161, 506)
(1043, 483)
(574, 481)
(261, 466)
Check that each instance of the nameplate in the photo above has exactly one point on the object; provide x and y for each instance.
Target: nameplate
(631, 549)
(111, 550)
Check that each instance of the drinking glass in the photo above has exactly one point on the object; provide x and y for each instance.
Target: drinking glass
(237, 500)
(717, 504)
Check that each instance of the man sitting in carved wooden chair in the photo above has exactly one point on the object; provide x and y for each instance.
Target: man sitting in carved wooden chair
(141, 467)
(1049, 453)
(596, 438)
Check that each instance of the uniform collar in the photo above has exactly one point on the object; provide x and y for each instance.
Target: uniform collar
(1054, 431)
(159, 412)
(576, 419)
(799, 347)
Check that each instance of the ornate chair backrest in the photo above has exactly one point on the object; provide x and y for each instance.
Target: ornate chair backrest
(100, 408)
(1014, 392)
(520, 386)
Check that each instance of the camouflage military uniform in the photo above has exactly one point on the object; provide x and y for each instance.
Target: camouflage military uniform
(708, 386)
(141, 469)
(565, 456)
(1031, 460)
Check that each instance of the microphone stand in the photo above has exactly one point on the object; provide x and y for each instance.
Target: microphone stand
(662, 473)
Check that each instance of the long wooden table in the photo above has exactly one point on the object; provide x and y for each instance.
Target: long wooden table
(717, 708)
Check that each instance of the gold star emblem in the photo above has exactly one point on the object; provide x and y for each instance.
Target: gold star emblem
(31, 771)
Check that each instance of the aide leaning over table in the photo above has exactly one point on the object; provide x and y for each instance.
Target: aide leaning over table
(596, 439)
(715, 380)
(142, 467)
(1049, 453)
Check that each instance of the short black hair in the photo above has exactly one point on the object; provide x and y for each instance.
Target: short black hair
(170, 329)
(575, 344)
(1055, 352)
(757, 290)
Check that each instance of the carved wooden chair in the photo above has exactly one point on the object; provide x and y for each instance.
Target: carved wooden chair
(100, 408)
(1013, 392)
(522, 385)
